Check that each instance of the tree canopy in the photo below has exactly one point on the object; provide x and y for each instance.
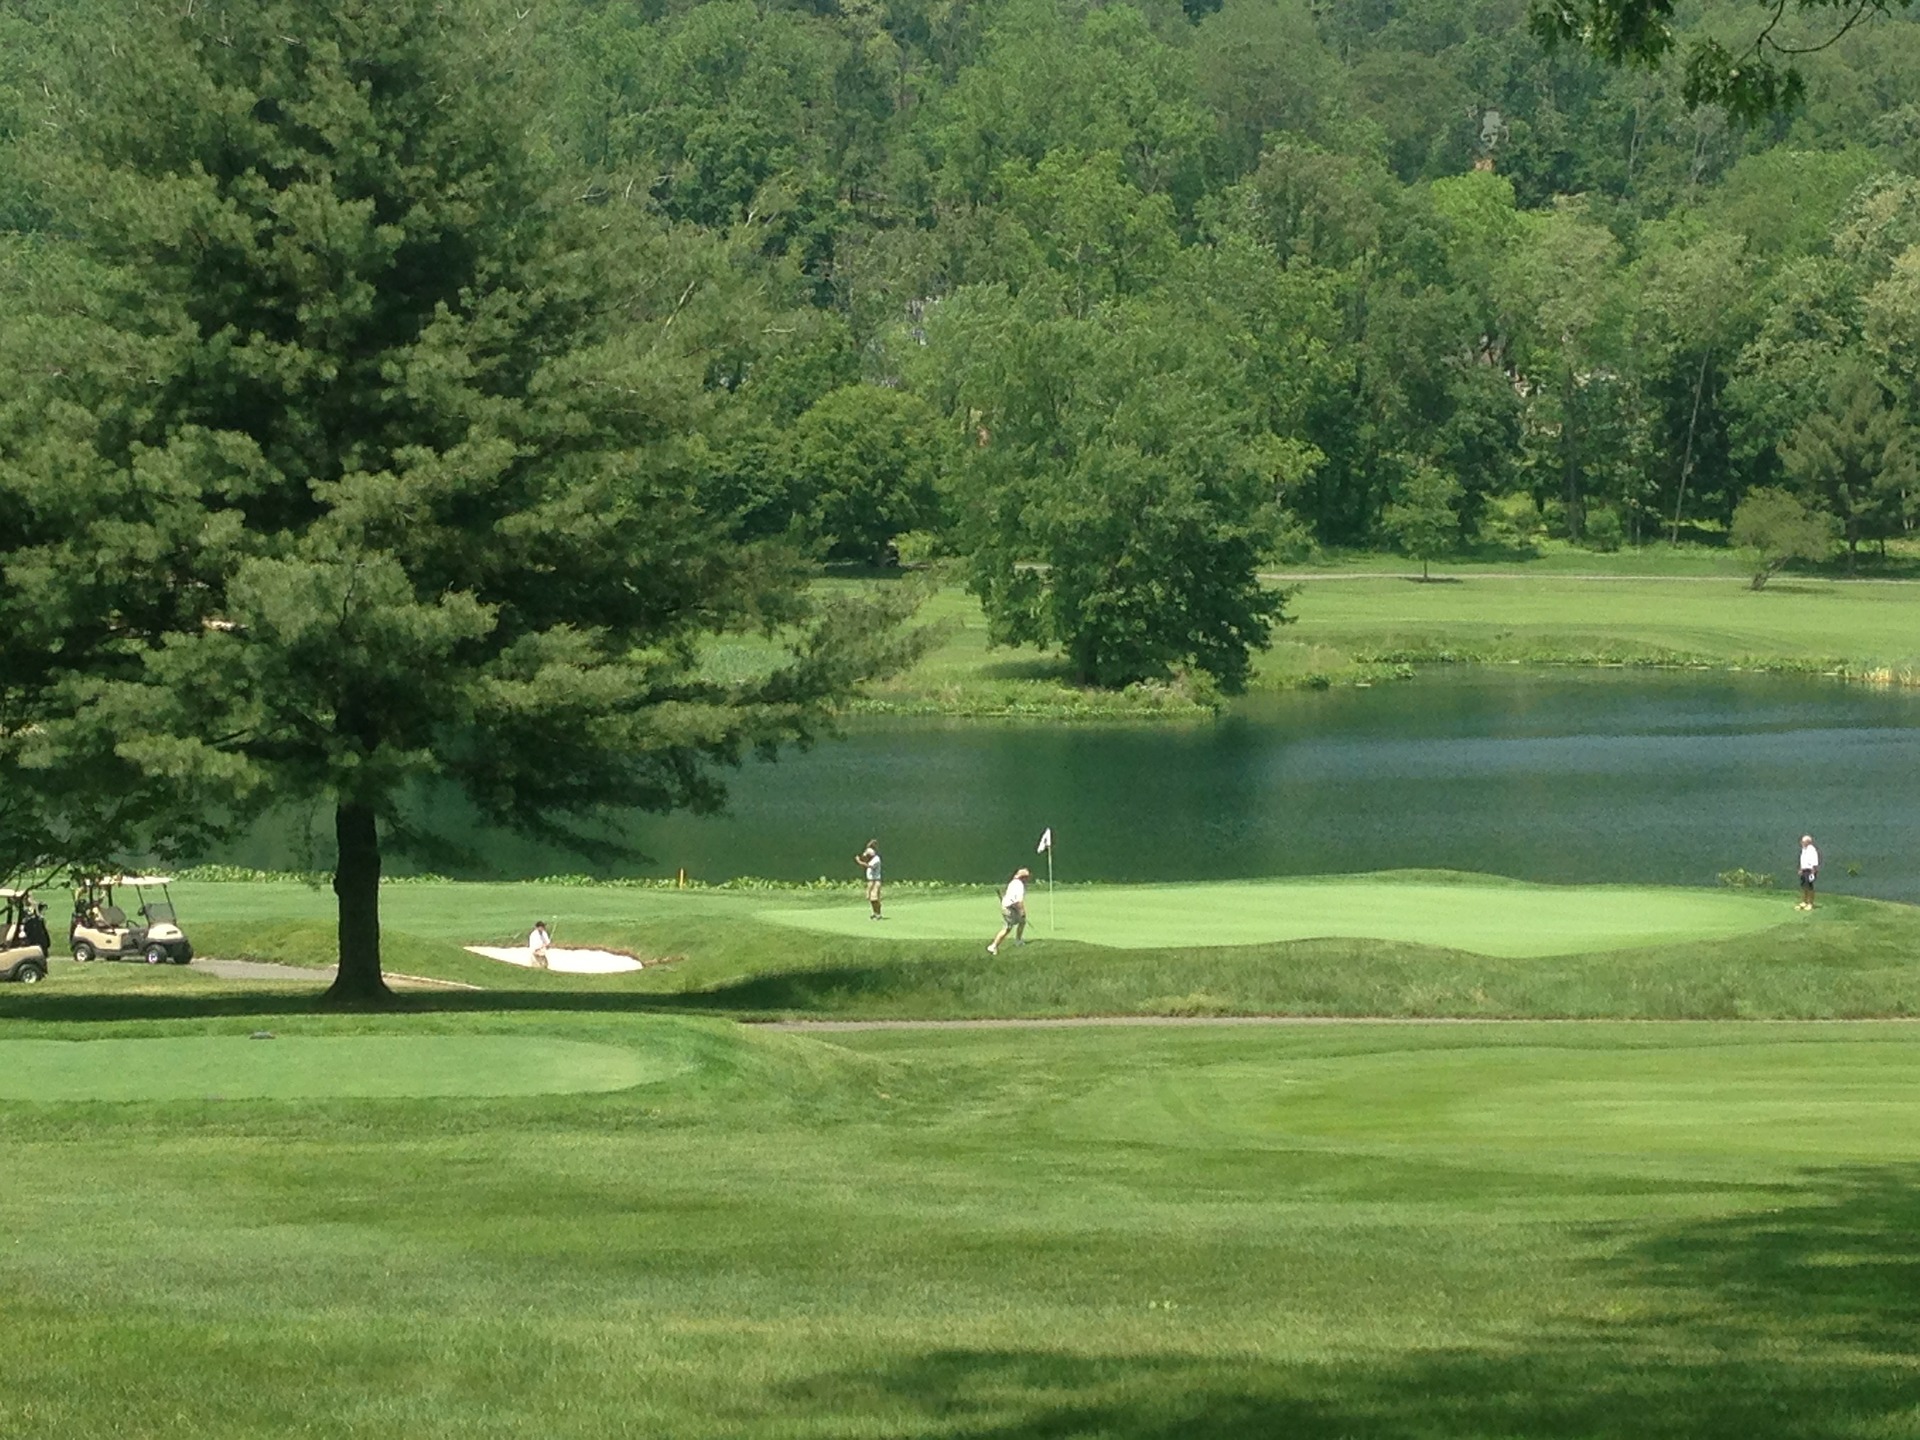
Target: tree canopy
(1752, 71)
(357, 441)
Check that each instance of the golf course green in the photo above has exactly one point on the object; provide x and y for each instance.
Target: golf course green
(267, 1066)
(585, 1206)
(1487, 919)
(1449, 1231)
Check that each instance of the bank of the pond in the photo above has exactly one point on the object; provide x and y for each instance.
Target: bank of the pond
(1356, 628)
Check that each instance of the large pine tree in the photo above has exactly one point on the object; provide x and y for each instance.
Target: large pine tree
(355, 444)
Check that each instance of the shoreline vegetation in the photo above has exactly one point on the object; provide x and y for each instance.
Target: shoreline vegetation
(1356, 622)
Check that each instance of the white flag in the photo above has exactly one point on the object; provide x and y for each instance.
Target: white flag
(1046, 841)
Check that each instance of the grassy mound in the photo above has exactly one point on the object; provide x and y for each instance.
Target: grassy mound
(1469, 947)
(1504, 949)
(225, 1067)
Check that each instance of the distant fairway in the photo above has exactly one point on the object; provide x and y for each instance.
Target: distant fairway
(1485, 917)
(202, 1067)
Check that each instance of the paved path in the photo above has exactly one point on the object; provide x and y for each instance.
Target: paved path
(1081, 1022)
(259, 970)
(1292, 577)
(308, 974)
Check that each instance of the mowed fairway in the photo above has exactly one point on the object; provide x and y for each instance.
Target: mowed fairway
(263, 1067)
(1454, 1230)
(1510, 920)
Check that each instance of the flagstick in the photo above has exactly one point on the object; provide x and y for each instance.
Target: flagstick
(1051, 928)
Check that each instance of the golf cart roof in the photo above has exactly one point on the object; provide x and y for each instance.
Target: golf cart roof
(134, 880)
(7, 893)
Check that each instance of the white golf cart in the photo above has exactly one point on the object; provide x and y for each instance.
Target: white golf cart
(102, 930)
(23, 939)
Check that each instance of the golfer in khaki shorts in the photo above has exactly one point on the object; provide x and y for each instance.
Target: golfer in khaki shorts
(1013, 911)
(869, 860)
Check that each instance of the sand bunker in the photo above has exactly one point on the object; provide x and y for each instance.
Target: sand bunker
(569, 962)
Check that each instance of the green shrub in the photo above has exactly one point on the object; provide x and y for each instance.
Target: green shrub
(1603, 531)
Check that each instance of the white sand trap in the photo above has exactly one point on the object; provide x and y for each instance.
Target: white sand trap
(570, 962)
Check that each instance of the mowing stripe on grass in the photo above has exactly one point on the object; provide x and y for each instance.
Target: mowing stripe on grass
(301, 1067)
(1486, 918)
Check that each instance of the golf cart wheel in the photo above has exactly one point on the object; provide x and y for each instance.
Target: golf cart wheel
(156, 954)
(30, 972)
(82, 951)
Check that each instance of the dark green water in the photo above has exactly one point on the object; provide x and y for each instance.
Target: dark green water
(1563, 775)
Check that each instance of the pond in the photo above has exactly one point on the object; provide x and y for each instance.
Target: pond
(1563, 775)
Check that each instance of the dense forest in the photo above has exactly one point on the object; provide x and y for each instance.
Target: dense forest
(1081, 291)
(1342, 254)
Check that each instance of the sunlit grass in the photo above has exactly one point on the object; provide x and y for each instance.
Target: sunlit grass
(1443, 1231)
(1363, 619)
(1860, 627)
(1691, 954)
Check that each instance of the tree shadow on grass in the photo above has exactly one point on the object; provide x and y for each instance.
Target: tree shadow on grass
(1839, 1259)
(1797, 1323)
(1548, 1392)
(819, 991)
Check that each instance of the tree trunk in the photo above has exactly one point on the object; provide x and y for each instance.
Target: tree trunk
(356, 882)
(1686, 464)
(1569, 462)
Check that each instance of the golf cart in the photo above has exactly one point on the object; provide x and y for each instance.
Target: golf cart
(23, 939)
(101, 929)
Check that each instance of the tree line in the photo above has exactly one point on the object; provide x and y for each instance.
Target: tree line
(1095, 290)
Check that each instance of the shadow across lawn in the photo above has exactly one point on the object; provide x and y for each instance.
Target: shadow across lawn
(1798, 1323)
(803, 990)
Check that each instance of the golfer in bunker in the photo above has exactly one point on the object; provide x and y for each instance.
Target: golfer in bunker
(1013, 911)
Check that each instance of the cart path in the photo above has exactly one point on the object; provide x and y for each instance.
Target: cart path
(312, 974)
(1083, 1022)
(1299, 577)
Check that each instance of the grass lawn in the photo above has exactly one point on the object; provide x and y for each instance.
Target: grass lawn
(1488, 919)
(1861, 627)
(263, 1065)
(1408, 944)
(1355, 624)
(1415, 1230)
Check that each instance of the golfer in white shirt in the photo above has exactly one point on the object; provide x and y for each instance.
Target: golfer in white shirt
(1013, 911)
(1809, 871)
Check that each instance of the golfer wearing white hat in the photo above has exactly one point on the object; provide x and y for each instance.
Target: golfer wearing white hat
(1013, 911)
(1809, 871)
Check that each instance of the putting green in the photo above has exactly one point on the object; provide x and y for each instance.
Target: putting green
(303, 1067)
(1486, 918)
